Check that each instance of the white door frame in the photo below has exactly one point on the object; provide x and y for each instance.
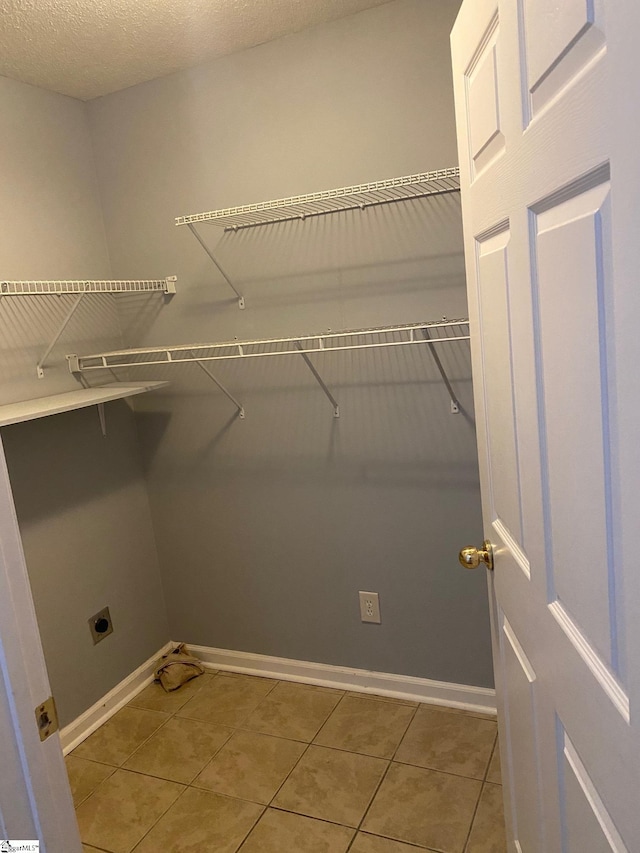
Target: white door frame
(35, 797)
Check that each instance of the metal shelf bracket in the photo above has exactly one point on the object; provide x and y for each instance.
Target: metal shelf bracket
(40, 365)
(318, 378)
(103, 419)
(198, 237)
(455, 403)
(235, 402)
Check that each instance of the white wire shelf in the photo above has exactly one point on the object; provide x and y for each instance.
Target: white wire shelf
(58, 288)
(80, 289)
(444, 331)
(55, 404)
(359, 196)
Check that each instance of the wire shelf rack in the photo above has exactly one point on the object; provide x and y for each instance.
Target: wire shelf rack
(58, 288)
(357, 197)
(80, 289)
(443, 331)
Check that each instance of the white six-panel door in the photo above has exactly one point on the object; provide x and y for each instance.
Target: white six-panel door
(547, 106)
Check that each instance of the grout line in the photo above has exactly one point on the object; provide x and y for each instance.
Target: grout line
(337, 705)
(177, 799)
(400, 742)
(495, 746)
(442, 772)
(384, 775)
(484, 782)
(373, 796)
(248, 833)
(101, 764)
(304, 752)
(473, 817)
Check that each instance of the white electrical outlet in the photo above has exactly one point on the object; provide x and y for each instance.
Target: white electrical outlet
(369, 607)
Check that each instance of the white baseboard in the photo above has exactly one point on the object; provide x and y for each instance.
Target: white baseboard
(408, 687)
(465, 697)
(96, 715)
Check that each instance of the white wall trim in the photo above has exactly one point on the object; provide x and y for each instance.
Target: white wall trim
(96, 715)
(463, 696)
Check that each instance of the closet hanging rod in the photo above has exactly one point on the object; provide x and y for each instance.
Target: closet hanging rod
(444, 331)
(359, 196)
(57, 288)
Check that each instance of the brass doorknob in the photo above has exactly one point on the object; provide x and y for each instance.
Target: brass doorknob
(472, 557)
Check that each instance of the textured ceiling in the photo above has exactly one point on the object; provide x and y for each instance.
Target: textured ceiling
(88, 48)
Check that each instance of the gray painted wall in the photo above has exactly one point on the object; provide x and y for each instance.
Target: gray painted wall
(81, 499)
(268, 527)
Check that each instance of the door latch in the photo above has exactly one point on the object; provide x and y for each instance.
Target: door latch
(47, 718)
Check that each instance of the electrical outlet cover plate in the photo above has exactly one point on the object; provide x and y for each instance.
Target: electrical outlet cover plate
(369, 607)
(101, 625)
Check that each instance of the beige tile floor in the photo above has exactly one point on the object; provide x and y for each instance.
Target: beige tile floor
(236, 764)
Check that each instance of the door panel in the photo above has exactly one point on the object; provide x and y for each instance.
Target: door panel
(586, 824)
(492, 262)
(486, 140)
(570, 291)
(560, 39)
(521, 714)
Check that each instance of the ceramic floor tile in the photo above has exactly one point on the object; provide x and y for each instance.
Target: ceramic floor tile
(423, 807)
(365, 843)
(494, 774)
(227, 701)
(281, 832)
(332, 785)
(294, 711)
(366, 726)
(453, 743)
(155, 697)
(120, 736)
(85, 776)
(202, 822)
(179, 750)
(251, 766)
(488, 832)
(123, 810)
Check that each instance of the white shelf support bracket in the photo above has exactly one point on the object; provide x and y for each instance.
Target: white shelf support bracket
(74, 363)
(235, 402)
(103, 419)
(170, 284)
(40, 365)
(455, 404)
(318, 378)
(195, 233)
